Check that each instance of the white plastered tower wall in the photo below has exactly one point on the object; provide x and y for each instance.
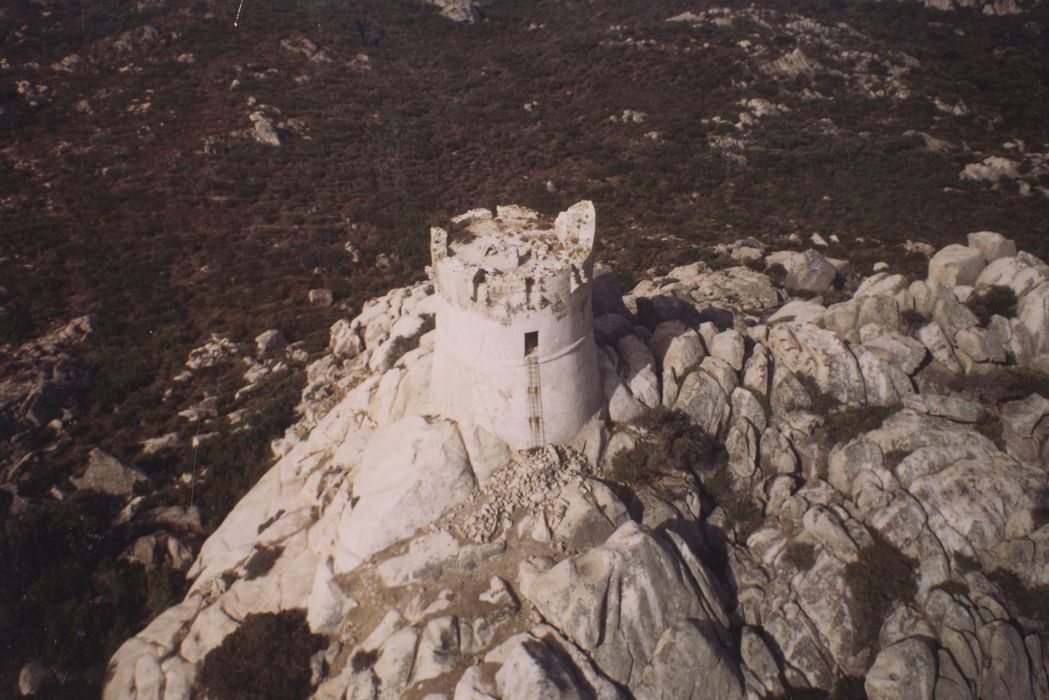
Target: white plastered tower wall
(515, 350)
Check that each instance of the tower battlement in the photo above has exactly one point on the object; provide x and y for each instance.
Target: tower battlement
(513, 262)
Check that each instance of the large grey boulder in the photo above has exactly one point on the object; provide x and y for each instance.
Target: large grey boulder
(956, 265)
(1025, 427)
(810, 273)
(992, 245)
(616, 601)
(904, 671)
(1021, 274)
(683, 649)
(639, 369)
(805, 350)
(107, 474)
(411, 472)
(464, 11)
(900, 350)
(1033, 313)
(269, 343)
(705, 399)
(729, 347)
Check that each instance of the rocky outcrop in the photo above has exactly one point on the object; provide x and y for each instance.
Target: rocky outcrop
(459, 567)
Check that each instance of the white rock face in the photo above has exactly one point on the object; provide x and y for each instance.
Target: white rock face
(905, 670)
(411, 472)
(639, 370)
(992, 245)
(956, 265)
(595, 599)
(1015, 273)
(427, 550)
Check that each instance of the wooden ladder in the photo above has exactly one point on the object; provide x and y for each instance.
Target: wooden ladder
(535, 403)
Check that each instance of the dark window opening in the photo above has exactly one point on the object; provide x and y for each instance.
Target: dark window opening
(531, 342)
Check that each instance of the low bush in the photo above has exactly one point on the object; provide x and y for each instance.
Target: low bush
(913, 319)
(881, 576)
(800, 555)
(820, 401)
(261, 561)
(267, 657)
(744, 514)
(990, 426)
(953, 587)
(363, 660)
(1032, 602)
(777, 273)
(672, 443)
(848, 423)
(994, 301)
(1002, 384)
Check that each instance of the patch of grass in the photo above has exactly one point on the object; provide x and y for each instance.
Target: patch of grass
(881, 576)
(997, 300)
(236, 461)
(267, 657)
(261, 561)
(800, 555)
(672, 443)
(845, 424)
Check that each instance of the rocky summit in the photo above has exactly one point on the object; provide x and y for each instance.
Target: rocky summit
(846, 491)
(484, 348)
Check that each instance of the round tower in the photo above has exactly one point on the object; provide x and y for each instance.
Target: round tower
(515, 349)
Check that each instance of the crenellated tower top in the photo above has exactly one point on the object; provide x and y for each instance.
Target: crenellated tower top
(513, 262)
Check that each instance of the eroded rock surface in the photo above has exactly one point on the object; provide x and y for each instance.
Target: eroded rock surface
(468, 570)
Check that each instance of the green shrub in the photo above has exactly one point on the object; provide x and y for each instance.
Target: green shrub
(881, 576)
(1002, 384)
(1032, 602)
(953, 587)
(363, 660)
(672, 443)
(893, 458)
(848, 423)
(990, 426)
(913, 319)
(261, 561)
(966, 564)
(994, 301)
(744, 514)
(820, 401)
(267, 657)
(1040, 516)
(800, 555)
(777, 273)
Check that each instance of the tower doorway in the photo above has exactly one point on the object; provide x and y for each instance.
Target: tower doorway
(531, 342)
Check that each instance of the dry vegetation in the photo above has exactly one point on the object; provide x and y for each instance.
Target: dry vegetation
(124, 213)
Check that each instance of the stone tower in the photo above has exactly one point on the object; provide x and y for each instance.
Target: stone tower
(515, 349)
